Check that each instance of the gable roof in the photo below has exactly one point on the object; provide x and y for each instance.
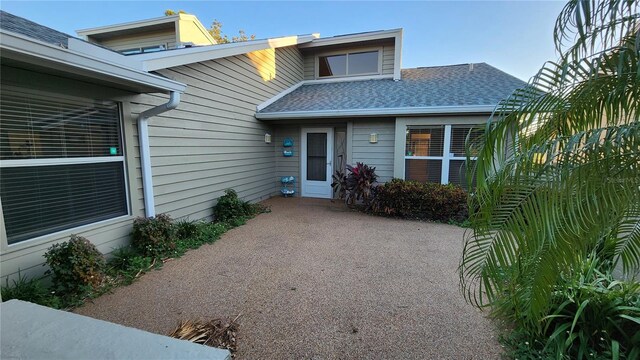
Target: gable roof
(428, 90)
(30, 29)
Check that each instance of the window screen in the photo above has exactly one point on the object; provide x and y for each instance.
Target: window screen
(62, 163)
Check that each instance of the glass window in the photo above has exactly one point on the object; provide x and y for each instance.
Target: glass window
(363, 63)
(332, 65)
(459, 136)
(62, 163)
(357, 63)
(423, 170)
(424, 141)
(317, 156)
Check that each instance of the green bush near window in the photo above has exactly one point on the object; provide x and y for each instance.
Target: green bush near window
(77, 266)
(154, 236)
(423, 201)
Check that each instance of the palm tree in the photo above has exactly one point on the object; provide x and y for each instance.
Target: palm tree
(558, 167)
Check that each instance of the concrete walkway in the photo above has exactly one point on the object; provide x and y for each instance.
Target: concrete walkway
(313, 279)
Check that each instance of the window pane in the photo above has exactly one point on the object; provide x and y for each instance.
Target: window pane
(458, 137)
(35, 127)
(423, 170)
(363, 63)
(458, 172)
(425, 141)
(38, 200)
(332, 65)
(317, 156)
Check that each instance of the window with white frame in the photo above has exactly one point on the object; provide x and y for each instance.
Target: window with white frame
(62, 163)
(349, 64)
(437, 153)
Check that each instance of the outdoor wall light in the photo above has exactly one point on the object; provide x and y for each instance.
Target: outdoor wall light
(373, 138)
(267, 138)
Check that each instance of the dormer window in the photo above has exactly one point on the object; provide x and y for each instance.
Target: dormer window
(349, 64)
(143, 50)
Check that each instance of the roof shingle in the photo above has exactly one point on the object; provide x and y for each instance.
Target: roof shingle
(453, 85)
(33, 30)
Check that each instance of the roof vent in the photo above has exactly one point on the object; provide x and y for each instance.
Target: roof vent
(471, 67)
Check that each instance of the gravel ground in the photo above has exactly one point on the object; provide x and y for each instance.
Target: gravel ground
(313, 279)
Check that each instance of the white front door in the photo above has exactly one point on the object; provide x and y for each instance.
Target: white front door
(316, 157)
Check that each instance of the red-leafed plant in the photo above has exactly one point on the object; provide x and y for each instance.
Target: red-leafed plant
(357, 185)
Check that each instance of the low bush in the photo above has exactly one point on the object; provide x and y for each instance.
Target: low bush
(77, 266)
(356, 185)
(186, 229)
(154, 236)
(231, 209)
(424, 201)
(31, 290)
(592, 316)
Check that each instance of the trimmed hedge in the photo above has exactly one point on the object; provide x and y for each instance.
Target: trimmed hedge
(423, 201)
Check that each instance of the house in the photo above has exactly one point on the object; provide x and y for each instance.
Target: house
(93, 137)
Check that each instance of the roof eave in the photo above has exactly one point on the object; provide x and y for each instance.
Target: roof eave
(171, 58)
(427, 110)
(345, 39)
(51, 54)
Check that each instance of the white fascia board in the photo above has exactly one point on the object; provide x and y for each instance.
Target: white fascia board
(178, 57)
(127, 25)
(428, 110)
(37, 49)
(89, 49)
(397, 56)
(345, 39)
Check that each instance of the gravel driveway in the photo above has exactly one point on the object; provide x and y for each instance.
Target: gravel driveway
(313, 279)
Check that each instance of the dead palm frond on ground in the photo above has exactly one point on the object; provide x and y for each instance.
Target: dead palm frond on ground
(219, 333)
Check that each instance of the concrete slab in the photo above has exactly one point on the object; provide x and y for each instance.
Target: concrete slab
(30, 331)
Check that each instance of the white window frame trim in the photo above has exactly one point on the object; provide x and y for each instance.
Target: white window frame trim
(347, 52)
(402, 124)
(4, 244)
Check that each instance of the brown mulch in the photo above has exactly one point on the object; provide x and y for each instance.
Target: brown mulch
(219, 333)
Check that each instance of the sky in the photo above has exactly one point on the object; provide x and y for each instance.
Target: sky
(514, 36)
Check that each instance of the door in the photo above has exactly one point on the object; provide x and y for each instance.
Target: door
(316, 157)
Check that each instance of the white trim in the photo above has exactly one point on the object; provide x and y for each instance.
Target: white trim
(346, 39)
(303, 161)
(128, 25)
(23, 45)
(60, 161)
(397, 57)
(178, 57)
(431, 110)
(446, 149)
(278, 96)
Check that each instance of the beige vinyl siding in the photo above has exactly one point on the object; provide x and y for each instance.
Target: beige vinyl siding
(141, 40)
(380, 154)
(388, 54)
(287, 166)
(189, 32)
(213, 141)
(27, 256)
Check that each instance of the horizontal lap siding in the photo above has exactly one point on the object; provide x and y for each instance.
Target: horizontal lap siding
(388, 54)
(287, 166)
(213, 141)
(141, 40)
(309, 66)
(380, 154)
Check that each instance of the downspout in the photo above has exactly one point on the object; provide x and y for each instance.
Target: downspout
(145, 156)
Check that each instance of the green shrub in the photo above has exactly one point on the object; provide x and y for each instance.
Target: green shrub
(186, 229)
(592, 316)
(154, 236)
(424, 201)
(77, 266)
(31, 290)
(230, 208)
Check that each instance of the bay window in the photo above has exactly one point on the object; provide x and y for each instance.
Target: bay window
(62, 163)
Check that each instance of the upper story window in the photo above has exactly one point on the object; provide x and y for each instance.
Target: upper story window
(142, 50)
(349, 64)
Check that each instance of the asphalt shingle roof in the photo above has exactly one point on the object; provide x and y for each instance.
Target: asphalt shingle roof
(28, 28)
(453, 85)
